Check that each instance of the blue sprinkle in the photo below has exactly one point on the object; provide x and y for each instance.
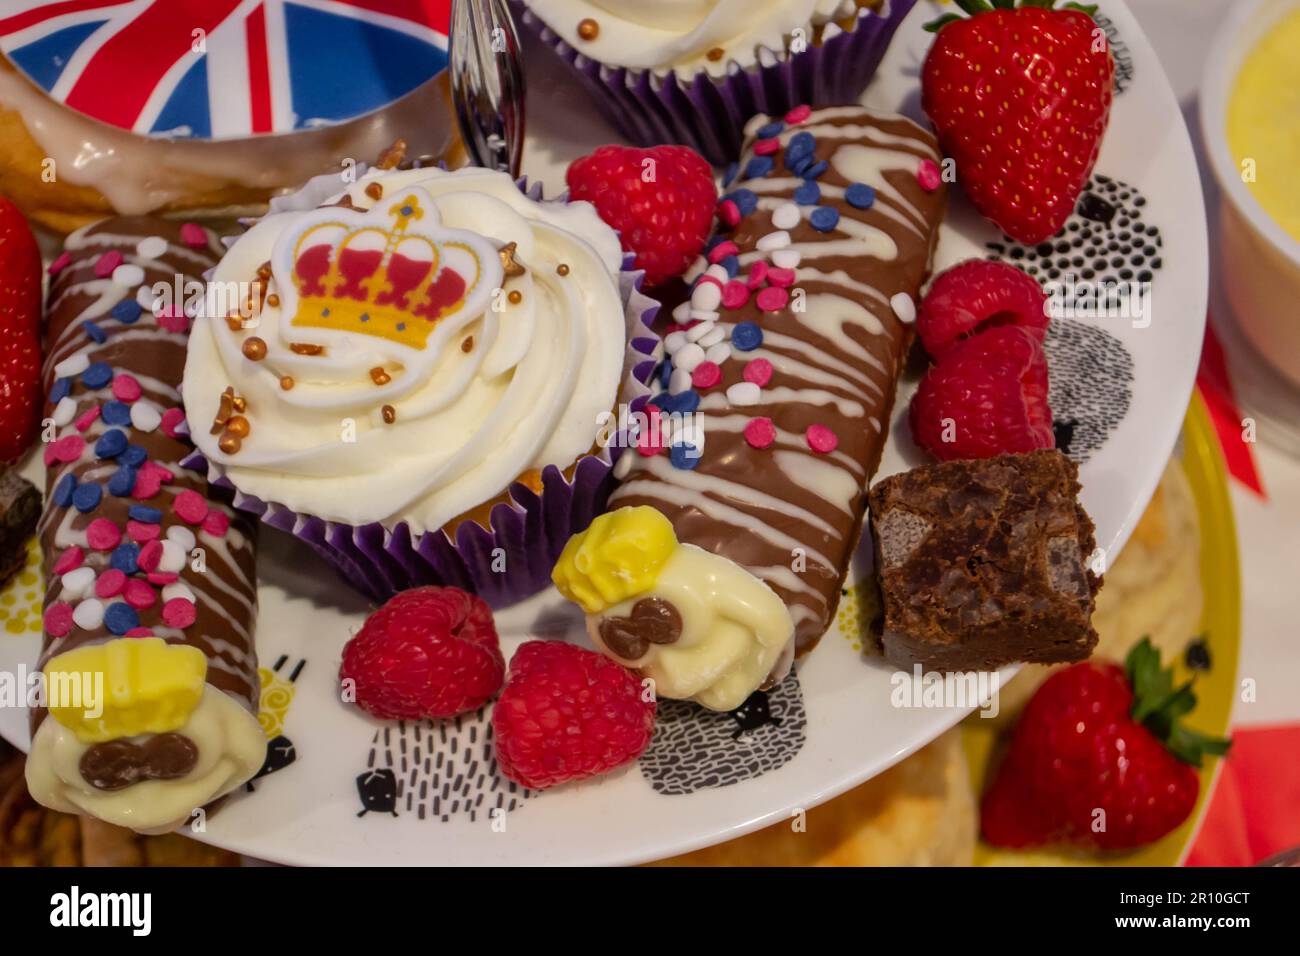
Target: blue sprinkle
(97, 375)
(775, 128)
(809, 194)
(111, 444)
(60, 390)
(682, 403)
(120, 618)
(127, 311)
(95, 332)
(746, 336)
(758, 167)
(745, 199)
(135, 456)
(665, 372)
(86, 497)
(115, 413)
(732, 265)
(144, 513)
(801, 144)
(62, 495)
(824, 218)
(860, 196)
(126, 557)
(730, 174)
(815, 170)
(685, 456)
(122, 482)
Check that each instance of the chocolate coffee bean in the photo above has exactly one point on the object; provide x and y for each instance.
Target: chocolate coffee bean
(652, 621)
(115, 764)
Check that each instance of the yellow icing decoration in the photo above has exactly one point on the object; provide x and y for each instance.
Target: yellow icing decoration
(127, 686)
(618, 556)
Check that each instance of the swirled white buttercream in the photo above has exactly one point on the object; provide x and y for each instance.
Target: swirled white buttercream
(663, 35)
(493, 393)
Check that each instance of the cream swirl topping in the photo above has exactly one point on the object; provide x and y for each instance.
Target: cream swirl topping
(427, 368)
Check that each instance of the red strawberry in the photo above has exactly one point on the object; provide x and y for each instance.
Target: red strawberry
(1099, 759)
(660, 200)
(987, 396)
(975, 295)
(568, 713)
(20, 333)
(428, 652)
(1020, 98)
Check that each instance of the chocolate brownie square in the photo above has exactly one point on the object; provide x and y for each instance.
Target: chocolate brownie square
(20, 509)
(984, 563)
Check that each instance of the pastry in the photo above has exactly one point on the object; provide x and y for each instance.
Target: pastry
(737, 527)
(150, 675)
(426, 365)
(984, 563)
(696, 73)
(230, 107)
(20, 507)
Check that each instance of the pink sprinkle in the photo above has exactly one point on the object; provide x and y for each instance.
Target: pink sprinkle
(58, 619)
(59, 264)
(139, 632)
(164, 475)
(711, 280)
(87, 418)
(146, 486)
(735, 294)
(191, 507)
(781, 277)
(103, 535)
(110, 583)
(162, 578)
(106, 263)
(194, 236)
(217, 523)
(772, 299)
(68, 448)
(139, 595)
(821, 439)
(766, 147)
(760, 432)
(69, 560)
(142, 531)
(126, 388)
(798, 114)
(722, 250)
(729, 212)
(170, 419)
(650, 440)
(927, 174)
(706, 375)
(178, 612)
(149, 557)
(758, 371)
(757, 274)
(174, 321)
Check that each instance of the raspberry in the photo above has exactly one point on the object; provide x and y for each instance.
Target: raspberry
(568, 713)
(660, 200)
(975, 295)
(428, 652)
(987, 396)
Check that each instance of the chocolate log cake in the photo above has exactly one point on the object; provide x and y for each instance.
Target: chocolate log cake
(150, 676)
(776, 400)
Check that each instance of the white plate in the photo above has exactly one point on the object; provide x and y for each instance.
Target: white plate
(841, 728)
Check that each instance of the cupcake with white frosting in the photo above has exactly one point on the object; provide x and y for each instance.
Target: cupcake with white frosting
(694, 71)
(416, 377)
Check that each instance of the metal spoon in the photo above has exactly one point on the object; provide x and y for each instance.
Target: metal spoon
(487, 83)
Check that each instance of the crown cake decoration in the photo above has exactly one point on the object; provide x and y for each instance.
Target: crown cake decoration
(385, 279)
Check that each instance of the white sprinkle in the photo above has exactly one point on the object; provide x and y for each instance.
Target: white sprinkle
(773, 241)
(718, 272)
(674, 341)
(173, 557)
(64, 411)
(146, 299)
(154, 247)
(682, 312)
(72, 365)
(77, 583)
(786, 216)
(718, 352)
(177, 589)
(786, 258)
(145, 416)
(182, 536)
(679, 381)
(744, 393)
(903, 307)
(701, 329)
(704, 315)
(687, 357)
(88, 615)
(713, 337)
(128, 275)
(707, 296)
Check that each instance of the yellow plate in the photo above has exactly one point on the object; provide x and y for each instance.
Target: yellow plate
(1220, 623)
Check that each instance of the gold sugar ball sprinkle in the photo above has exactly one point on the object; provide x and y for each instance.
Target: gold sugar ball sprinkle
(562, 269)
(230, 443)
(239, 403)
(389, 413)
(237, 426)
(716, 54)
(588, 29)
(254, 349)
(379, 376)
(286, 382)
(467, 344)
(515, 297)
(375, 191)
(273, 300)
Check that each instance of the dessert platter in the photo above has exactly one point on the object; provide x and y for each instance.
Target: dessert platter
(598, 510)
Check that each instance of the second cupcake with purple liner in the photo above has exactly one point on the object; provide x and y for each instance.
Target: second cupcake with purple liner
(666, 71)
(415, 378)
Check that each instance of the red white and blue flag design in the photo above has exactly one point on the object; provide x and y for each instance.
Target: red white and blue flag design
(224, 69)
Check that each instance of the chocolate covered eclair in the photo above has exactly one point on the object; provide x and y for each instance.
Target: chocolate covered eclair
(150, 675)
(741, 506)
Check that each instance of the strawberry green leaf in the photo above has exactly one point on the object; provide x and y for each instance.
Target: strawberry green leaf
(1160, 706)
(934, 25)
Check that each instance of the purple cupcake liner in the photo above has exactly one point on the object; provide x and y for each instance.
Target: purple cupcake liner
(512, 560)
(709, 113)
